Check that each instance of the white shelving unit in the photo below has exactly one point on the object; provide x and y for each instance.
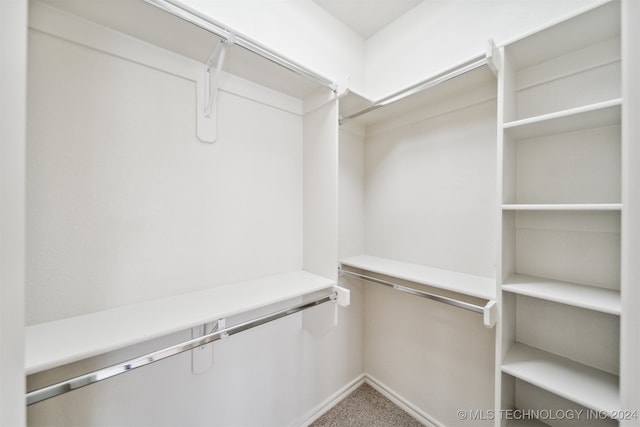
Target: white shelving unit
(561, 204)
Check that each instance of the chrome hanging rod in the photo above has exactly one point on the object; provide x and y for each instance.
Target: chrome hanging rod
(488, 310)
(428, 295)
(196, 18)
(102, 374)
(422, 86)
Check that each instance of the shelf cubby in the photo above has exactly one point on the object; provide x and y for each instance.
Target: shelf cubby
(550, 69)
(538, 407)
(579, 246)
(581, 166)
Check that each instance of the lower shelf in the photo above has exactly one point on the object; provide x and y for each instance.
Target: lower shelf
(587, 386)
(52, 344)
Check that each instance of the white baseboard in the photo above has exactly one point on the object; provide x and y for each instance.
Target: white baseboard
(330, 402)
(379, 386)
(421, 416)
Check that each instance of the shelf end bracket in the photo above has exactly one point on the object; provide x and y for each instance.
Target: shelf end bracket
(490, 314)
(493, 55)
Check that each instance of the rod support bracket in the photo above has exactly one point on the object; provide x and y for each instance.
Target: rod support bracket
(490, 314)
(207, 127)
(343, 296)
(222, 324)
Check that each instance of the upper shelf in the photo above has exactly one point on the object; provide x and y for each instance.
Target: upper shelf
(584, 29)
(59, 342)
(466, 84)
(462, 283)
(152, 24)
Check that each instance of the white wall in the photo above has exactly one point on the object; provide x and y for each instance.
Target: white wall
(126, 205)
(13, 40)
(298, 29)
(430, 192)
(436, 35)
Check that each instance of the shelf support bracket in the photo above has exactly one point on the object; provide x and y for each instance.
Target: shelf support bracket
(343, 296)
(493, 55)
(207, 123)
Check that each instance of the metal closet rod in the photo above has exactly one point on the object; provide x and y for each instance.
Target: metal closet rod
(207, 24)
(422, 86)
(102, 374)
(457, 303)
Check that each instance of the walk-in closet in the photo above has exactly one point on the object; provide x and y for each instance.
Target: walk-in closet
(265, 213)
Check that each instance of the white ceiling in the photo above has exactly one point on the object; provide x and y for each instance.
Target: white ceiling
(367, 17)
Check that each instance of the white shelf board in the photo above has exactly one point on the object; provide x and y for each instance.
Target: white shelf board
(467, 284)
(591, 116)
(352, 102)
(584, 296)
(59, 342)
(471, 88)
(590, 387)
(563, 207)
(146, 22)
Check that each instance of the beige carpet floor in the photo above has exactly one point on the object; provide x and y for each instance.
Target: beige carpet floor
(365, 407)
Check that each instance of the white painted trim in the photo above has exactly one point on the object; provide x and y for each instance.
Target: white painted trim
(13, 87)
(403, 403)
(66, 26)
(630, 276)
(330, 402)
(411, 409)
